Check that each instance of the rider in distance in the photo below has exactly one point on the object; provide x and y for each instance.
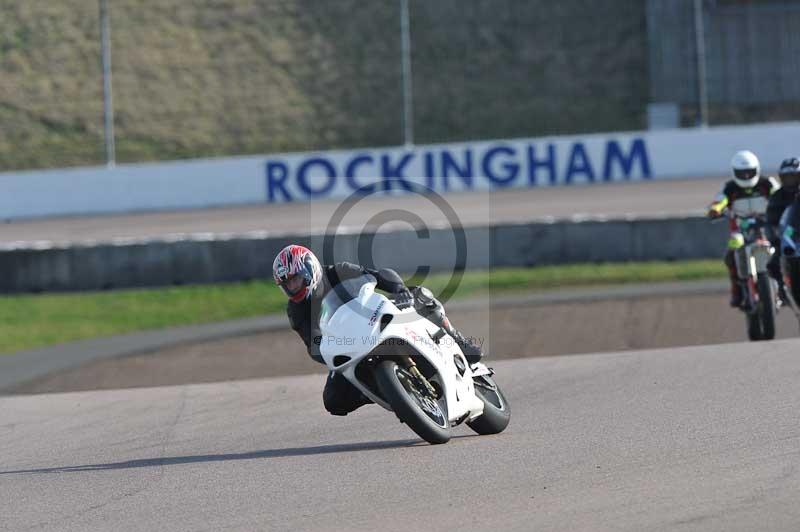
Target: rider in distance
(747, 193)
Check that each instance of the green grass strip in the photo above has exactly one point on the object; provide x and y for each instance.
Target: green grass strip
(30, 321)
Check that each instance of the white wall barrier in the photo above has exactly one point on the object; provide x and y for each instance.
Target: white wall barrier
(485, 165)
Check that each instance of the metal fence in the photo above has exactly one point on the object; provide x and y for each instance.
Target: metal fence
(740, 58)
(232, 77)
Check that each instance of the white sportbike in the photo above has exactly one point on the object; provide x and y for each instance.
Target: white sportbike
(407, 364)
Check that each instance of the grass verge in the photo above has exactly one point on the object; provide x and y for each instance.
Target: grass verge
(30, 321)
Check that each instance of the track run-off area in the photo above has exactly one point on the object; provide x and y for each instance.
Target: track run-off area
(701, 438)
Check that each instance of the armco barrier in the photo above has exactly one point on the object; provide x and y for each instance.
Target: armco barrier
(222, 258)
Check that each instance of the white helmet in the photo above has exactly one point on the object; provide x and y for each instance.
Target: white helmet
(746, 169)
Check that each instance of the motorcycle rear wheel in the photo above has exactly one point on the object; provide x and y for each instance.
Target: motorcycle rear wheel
(412, 405)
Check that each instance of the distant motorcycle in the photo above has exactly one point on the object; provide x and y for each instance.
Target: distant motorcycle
(789, 231)
(759, 290)
(406, 364)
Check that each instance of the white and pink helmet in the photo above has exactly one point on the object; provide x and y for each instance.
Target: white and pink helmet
(297, 271)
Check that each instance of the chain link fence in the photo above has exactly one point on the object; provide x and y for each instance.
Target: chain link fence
(234, 77)
(752, 58)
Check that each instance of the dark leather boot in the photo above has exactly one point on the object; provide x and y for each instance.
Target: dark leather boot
(430, 308)
(736, 288)
(472, 352)
(736, 293)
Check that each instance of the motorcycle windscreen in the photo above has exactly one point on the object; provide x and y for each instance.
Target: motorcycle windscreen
(351, 327)
(341, 294)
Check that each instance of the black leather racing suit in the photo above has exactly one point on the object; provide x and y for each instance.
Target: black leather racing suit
(339, 396)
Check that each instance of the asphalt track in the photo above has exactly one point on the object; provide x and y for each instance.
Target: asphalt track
(654, 198)
(701, 438)
(704, 438)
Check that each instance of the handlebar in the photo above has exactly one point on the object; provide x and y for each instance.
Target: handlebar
(753, 222)
(758, 221)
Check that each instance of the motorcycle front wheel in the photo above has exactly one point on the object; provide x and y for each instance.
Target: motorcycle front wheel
(753, 326)
(496, 410)
(412, 404)
(761, 319)
(766, 306)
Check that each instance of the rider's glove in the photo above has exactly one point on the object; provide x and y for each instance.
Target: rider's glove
(714, 213)
(403, 299)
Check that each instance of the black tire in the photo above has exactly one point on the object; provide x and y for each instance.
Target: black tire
(753, 326)
(395, 386)
(751, 316)
(496, 410)
(793, 271)
(766, 306)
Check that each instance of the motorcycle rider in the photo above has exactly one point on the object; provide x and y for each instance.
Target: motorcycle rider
(789, 175)
(305, 281)
(747, 192)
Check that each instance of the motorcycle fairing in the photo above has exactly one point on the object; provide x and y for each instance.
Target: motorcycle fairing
(353, 329)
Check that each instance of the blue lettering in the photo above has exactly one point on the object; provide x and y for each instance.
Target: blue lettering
(464, 172)
(430, 171)
(350, 174)
(398, 169)
(402, 183)
(395, 173)
(579, 164)
(511, 168)
(614, 154)
(548, 163)
(277, 173)
(302, 177)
